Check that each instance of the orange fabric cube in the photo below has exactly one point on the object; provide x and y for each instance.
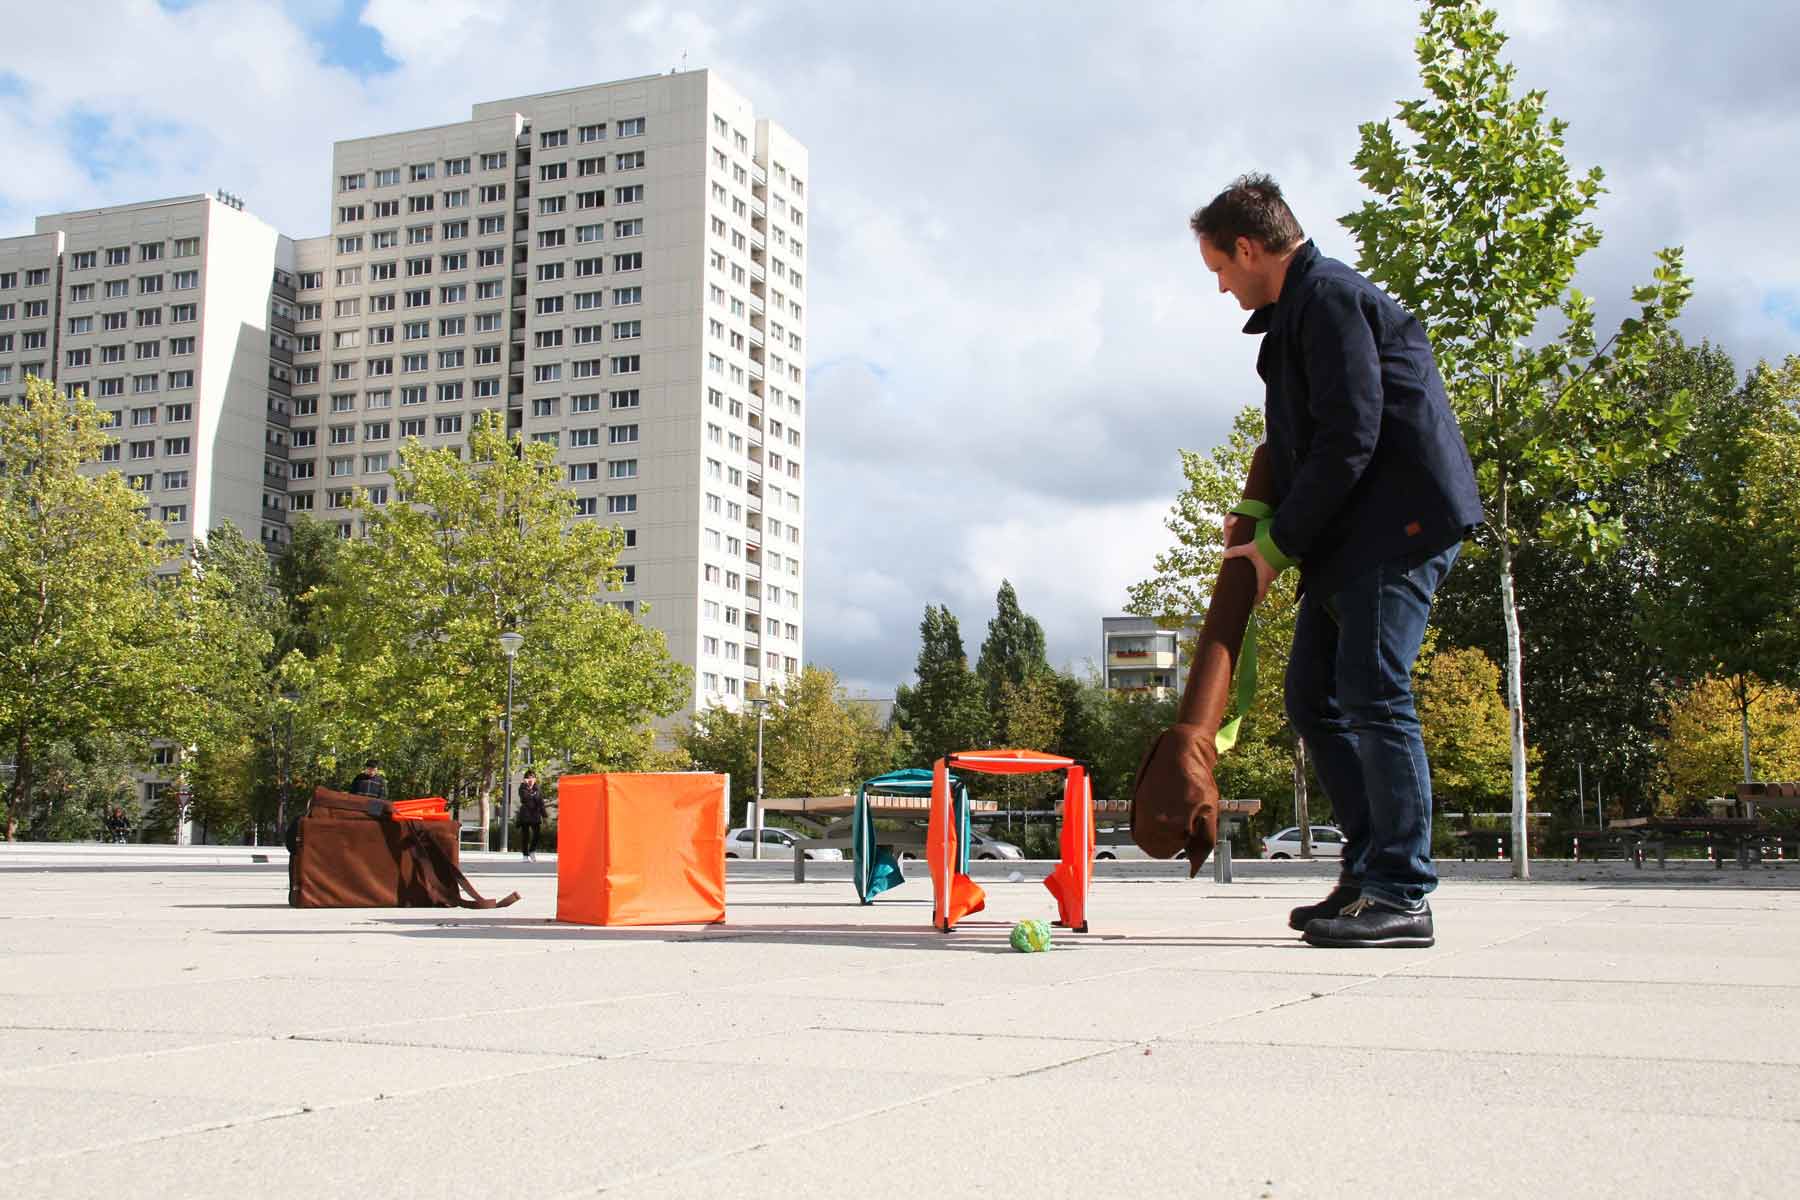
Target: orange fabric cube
(640, 849)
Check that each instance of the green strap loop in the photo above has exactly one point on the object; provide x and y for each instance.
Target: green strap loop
(1245, 690)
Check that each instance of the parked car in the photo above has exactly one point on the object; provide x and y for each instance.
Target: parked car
(776, 843)
(982, 845)
(1328, 842)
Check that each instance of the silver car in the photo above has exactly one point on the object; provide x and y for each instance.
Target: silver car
(776, 843)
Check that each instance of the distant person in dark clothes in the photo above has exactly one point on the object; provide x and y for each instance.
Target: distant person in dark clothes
(371, 782)
(531, 815)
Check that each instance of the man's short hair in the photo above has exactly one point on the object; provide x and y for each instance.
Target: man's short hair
(373, 764)
(1252, 207)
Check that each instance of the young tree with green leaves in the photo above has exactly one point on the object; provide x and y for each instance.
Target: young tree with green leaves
(475, 547)
(102, 634)
(1477, 228)
(947, 709)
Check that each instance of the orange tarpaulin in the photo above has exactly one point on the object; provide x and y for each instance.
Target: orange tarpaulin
(640, 849)
(954, 894)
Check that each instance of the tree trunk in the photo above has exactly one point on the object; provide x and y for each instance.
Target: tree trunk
(1515, 703)
(21, 784)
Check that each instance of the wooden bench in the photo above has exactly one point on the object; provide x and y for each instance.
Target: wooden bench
(1641, 835)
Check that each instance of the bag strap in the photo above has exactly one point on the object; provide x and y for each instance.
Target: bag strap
(449, 867)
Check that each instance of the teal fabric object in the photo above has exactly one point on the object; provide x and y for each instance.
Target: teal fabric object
(876, 868)
(1031, 937)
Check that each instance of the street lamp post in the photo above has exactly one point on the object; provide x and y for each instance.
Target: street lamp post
(756, 825)
(509, 646)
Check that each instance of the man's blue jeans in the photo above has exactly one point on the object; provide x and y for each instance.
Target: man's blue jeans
(1349, 694)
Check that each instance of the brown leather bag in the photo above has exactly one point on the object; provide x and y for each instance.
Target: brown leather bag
(1175, 801)
(353, 853)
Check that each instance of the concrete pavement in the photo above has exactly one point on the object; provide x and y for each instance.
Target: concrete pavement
(168, 1026)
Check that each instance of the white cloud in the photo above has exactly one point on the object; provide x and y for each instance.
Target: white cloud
(1010, 331)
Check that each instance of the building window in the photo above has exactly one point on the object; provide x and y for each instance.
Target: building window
(621, 504)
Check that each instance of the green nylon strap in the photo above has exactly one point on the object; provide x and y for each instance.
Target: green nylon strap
(1245, 696)
(1254, 509)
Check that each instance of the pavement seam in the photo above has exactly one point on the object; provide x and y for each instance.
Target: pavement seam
(291, 1111)
(1558, 1055)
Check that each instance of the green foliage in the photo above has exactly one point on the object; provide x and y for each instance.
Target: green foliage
(947, 709)
(1703, 749)
(1722, 597)
(410, 622)
(1478, 229)
(1466, 729)
(308, 562)
(94, 643)
(1012, 652)
(817, 741)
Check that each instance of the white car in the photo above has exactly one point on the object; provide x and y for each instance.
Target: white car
(1327, 840)
(776, 843)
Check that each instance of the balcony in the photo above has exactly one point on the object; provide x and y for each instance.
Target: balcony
(278, 415)
(281, 354)
(277, 321)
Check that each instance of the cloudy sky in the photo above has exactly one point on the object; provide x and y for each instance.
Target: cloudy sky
(1011, 333)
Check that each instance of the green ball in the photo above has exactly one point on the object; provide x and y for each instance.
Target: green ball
(1029, 937)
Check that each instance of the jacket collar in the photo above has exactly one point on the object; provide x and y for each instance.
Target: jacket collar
(1299, 267)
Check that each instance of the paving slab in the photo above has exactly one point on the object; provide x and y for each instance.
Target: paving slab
(168, 1026)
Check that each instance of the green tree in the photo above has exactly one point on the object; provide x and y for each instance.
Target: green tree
(1703, 747)
(1466, 728)
(476, 547)
(1723, 595)
(92, 644)
(947, 709)
(1013, 650)
(817, 741)
(307, 562)
(1478, 229)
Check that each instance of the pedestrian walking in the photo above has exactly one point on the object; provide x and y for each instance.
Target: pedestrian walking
(531, 814)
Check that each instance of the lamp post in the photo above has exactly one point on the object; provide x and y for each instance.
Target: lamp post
(509, 646)
(762, 707)
(287, 766)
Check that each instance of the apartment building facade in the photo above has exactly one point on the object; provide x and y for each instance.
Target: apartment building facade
(1141, 656)
(618, 269)
(160, 312)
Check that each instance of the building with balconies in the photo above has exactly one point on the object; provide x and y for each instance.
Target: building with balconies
(1141, 656)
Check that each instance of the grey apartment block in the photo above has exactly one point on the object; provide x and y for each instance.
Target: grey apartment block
(620, 269)
(1141, 656)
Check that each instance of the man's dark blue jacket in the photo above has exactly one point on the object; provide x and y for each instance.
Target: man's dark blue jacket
(1368, 461)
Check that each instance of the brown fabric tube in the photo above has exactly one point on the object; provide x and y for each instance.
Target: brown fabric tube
(1175, 801)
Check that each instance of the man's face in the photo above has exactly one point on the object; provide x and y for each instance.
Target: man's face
(1237, 274)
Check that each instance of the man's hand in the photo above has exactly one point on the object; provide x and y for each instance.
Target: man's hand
(1231, 520)
(1265, 574)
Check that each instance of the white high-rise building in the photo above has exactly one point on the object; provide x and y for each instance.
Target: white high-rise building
(161, 313)
(620, 269)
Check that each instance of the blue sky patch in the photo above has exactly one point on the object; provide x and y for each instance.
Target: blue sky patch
(350, 44)
(1783, 306)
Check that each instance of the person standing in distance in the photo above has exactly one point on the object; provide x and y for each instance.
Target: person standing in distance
(531, 814)
(1374, 496)
(370, 781)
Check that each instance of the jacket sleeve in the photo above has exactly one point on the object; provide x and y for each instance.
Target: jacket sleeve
(1343, 374)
